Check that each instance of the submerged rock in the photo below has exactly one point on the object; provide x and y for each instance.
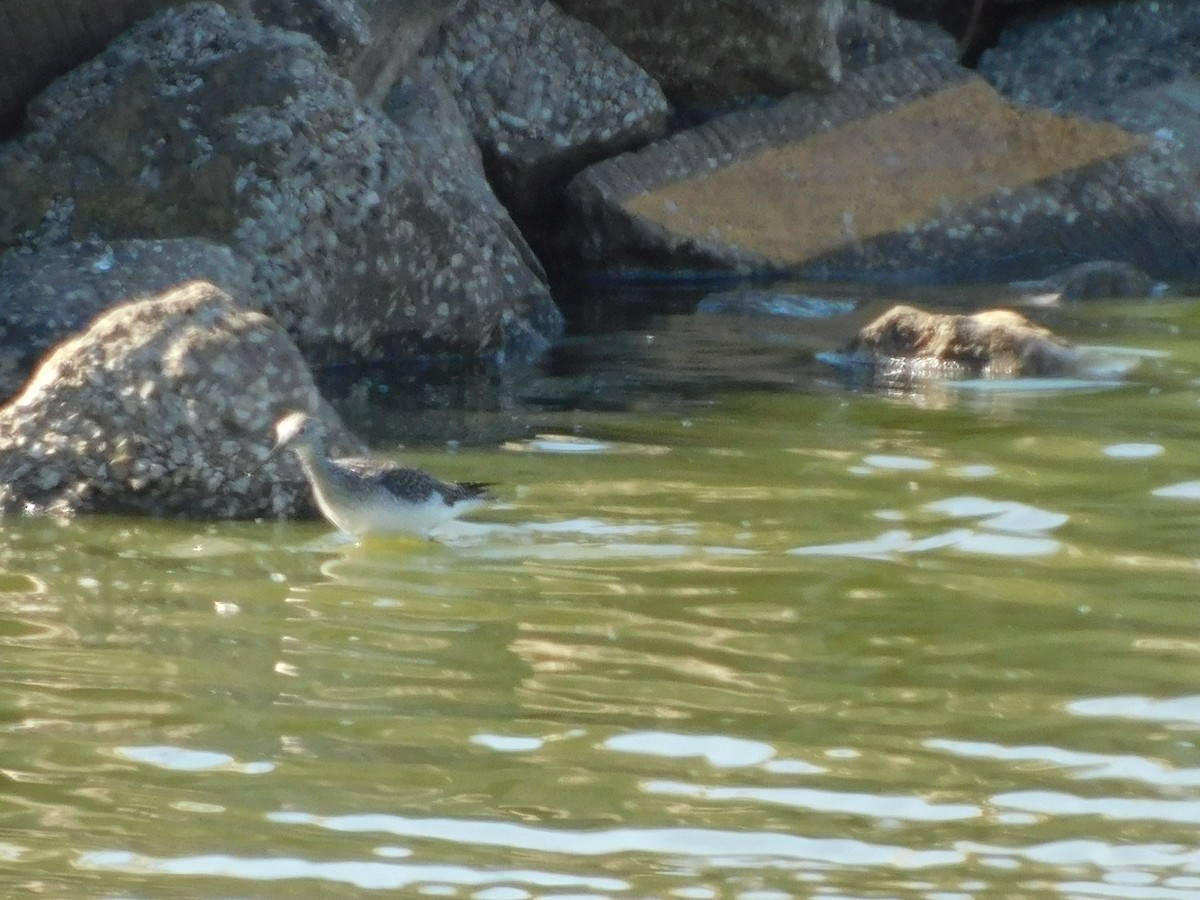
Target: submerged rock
(911, 169)
(1100, 280)
(758, 302)
(163, 406)
(995, 343)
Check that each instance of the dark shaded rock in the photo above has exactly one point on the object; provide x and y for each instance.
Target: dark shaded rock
(913, 169)
(871, 34)
(1099, 280)
(713, 51)
(996, 343)
(40, 41)
(543, 94)
(339, 26)
(163, 406)
(398, 31)
(198, 124)
(49, 294)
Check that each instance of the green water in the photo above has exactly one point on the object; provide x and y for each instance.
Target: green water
(735, 632)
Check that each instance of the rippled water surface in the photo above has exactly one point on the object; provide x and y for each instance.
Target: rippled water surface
(736, 631)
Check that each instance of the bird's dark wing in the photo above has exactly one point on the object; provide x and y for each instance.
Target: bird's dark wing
(415, 485)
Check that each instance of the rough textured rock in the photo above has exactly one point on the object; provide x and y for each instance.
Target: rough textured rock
(41, 40)
(912, 169)
(995, 343)
(163, 406)
(339, 26)
(195, 123)
(1066, 59)
(1085, 58)
(49, 294)
(543, 94)
(712, 51)
(870, 34)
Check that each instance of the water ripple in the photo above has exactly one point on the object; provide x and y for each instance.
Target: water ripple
(731, 847)
(372, 875)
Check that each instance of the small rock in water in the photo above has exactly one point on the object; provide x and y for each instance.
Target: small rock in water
(773, 303)
(1099, 280)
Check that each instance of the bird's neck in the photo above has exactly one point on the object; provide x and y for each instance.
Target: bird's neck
(312, 456)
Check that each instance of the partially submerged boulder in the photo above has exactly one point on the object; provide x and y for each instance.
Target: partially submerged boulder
(47, 295)
(995, 343)
(1101, 279)
(163, 406)
(913, 169)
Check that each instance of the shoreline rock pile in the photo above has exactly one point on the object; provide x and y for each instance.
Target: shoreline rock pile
(386, 181)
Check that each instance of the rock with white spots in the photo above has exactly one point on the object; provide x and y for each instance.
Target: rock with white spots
(543, 94)
(163, 406)
(199, 123)
(47, 295)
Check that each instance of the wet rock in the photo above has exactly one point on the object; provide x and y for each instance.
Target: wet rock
(197, 123)
(760, 302)
(163, 406)
(1099, 280)
(912, 169)
(49, 294)
(996, 343)
(713, 51)
(543, 94)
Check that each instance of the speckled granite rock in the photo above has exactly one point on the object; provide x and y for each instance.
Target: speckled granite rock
(163, 406)
(712, 51)
(912, 169)
(870, 34)
(1134, 63)
(41, 40)
(1066, 58)
(543, 94)
(196, 123)
(47, 295)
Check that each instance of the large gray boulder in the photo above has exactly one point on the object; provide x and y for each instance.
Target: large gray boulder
(543, 94)
(197, 123)
(1063, 59)
(911, 169)
(713, 51)
(163, 406)
(47, 295)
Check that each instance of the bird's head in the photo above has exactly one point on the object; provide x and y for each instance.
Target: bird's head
(296, 429)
